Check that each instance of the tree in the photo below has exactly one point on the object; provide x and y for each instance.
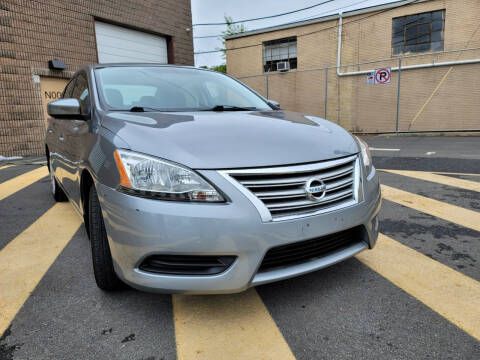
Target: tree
(232, 29)
(220, 68)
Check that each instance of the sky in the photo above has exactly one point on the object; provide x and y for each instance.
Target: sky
(208, 11)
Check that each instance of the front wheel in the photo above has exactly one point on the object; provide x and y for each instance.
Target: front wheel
(105, 275)
(57, 192)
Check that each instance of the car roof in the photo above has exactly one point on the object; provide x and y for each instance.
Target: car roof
(101, 66)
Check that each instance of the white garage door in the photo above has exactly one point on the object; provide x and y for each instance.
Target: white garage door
(116, 44)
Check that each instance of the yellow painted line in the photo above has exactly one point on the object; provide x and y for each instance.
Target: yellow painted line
(446, 291)
(11, 186)
(26, 259)
(456, 214)
(236, 326)
(454, 173)
(443, 173)
(5, 166)
(444, 180)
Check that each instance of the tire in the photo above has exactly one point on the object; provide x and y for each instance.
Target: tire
(57, 192)
(105, 275)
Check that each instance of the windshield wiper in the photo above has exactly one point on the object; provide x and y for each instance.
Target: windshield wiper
(229, 108)
(143, 109)
(215, 108)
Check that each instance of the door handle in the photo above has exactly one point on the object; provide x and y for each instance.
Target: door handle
(61, 138)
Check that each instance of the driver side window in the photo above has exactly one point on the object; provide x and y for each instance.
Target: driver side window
(67, 92)
(80, 92)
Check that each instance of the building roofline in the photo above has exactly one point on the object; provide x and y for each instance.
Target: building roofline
(324, 18)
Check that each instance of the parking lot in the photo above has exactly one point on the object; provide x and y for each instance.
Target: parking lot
(415, 296)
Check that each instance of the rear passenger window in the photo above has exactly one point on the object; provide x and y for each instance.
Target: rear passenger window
(80, 92)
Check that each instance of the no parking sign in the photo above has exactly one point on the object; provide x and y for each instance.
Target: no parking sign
(383, 76)
(380, 76)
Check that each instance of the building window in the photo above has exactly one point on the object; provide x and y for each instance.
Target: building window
(418, 33)
(276, 51)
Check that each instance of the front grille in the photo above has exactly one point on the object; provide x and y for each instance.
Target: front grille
(186, 264)
(304, 251)
(282, 190)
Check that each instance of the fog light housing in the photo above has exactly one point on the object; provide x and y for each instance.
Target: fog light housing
(186, 264)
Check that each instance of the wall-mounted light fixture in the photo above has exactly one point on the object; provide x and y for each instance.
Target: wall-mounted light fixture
(56, 64)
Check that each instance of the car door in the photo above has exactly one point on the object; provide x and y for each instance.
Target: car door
(74, 135)
(54, 132)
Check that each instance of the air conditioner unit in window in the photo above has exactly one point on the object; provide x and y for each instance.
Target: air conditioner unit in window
(283, 66)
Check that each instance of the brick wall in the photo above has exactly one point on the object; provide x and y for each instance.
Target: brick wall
(431, 99)
(34, 32)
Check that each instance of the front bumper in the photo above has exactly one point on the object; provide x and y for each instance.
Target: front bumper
(139, 227)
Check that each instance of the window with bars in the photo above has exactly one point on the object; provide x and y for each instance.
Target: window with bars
(276, 51)
(418, 33)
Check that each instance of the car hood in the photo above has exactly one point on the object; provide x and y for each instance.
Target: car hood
(232, 139)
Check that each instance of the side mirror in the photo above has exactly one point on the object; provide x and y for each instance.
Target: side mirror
(64, 108)
(274, 103)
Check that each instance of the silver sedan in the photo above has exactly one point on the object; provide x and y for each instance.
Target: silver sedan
(190, 182)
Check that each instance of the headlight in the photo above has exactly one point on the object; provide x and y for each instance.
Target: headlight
(366, 156)
(148, 176)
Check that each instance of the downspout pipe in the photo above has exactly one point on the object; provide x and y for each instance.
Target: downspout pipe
(339, 42)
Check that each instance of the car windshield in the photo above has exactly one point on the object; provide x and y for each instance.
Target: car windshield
(150, 88)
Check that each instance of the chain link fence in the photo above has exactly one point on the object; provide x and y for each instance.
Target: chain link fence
(437, 92)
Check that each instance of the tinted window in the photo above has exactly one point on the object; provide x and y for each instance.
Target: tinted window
(67, 92)
(172, 89)
(80, 92)
(418, 33)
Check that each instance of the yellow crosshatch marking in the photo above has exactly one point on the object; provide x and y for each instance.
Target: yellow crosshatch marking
(441, 179)
(446, 291)
(236, 326)
(454, 173)
(11, 186)
(26, 259)
(448, 212)
(239, 326)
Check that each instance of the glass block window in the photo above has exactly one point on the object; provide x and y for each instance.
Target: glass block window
(418, 33)
(275, 51)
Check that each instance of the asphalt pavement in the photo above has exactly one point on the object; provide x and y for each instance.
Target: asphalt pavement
(450, 147)
(415, 296)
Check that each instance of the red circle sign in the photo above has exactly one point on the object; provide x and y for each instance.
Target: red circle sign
(382, 76)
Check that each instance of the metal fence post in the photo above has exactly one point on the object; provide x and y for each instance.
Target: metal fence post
(266, 85)
(326, 91)
(398, 93)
